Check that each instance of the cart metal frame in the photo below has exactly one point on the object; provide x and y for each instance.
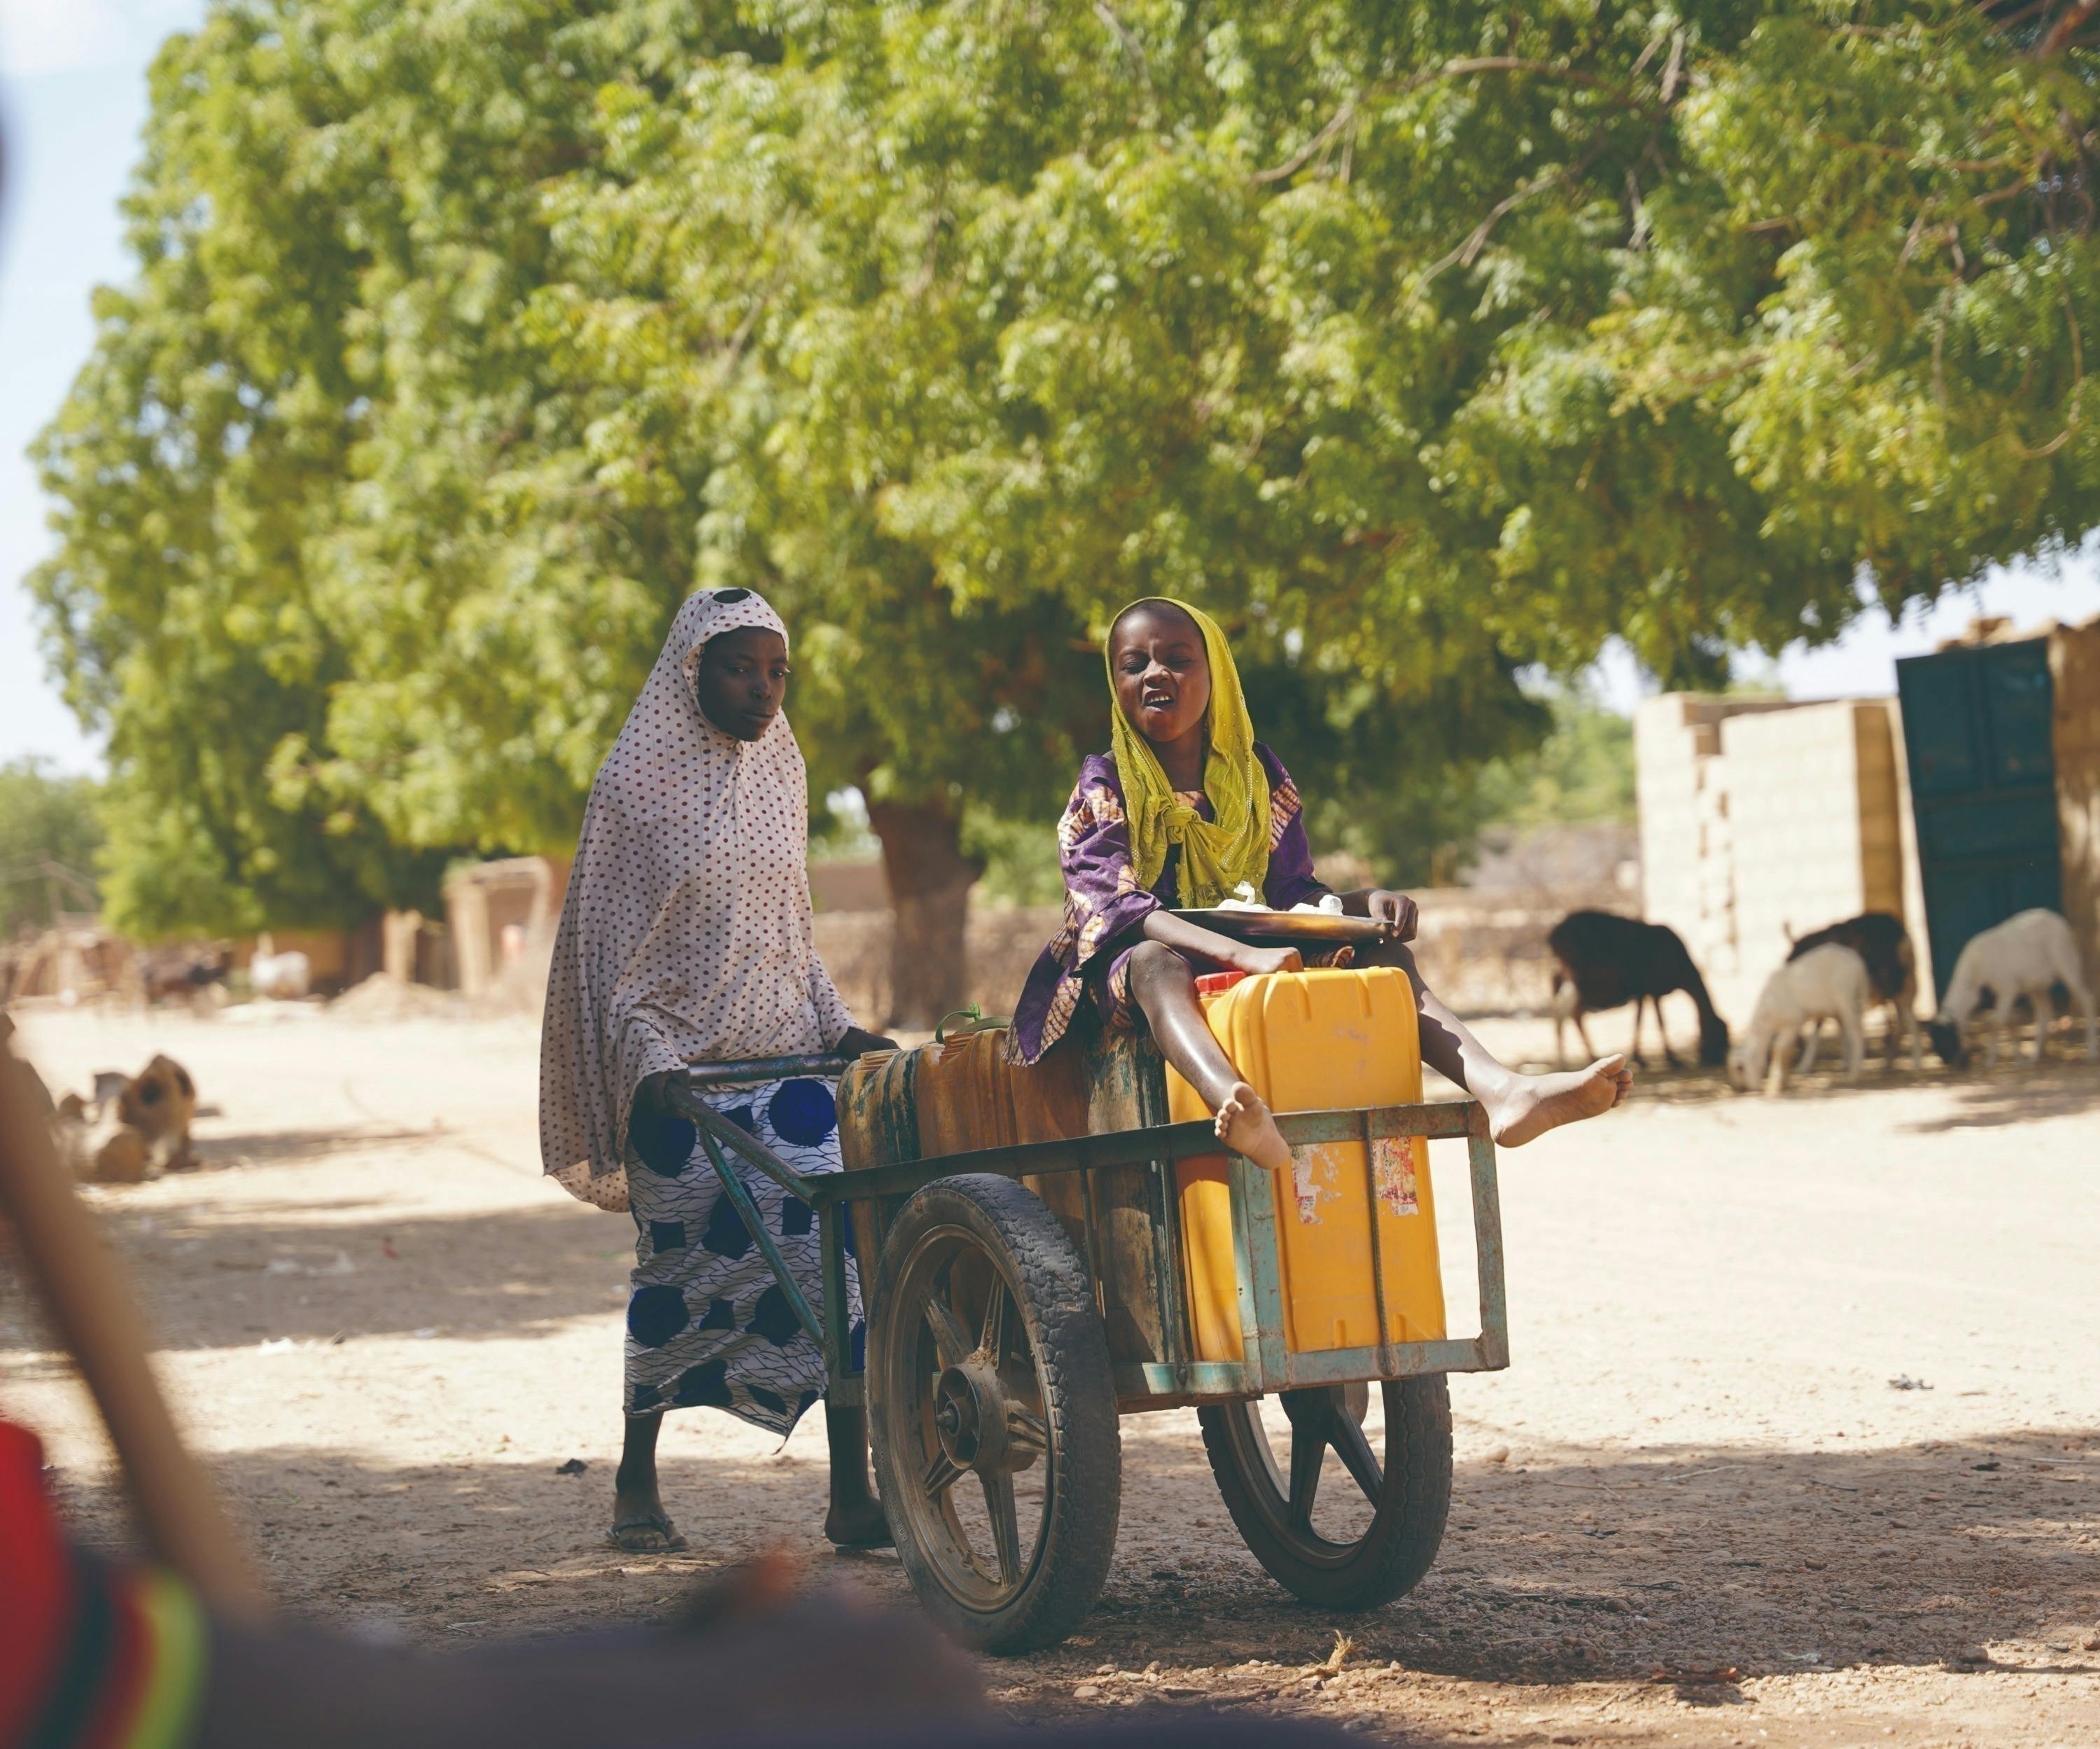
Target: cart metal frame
(1267, 1366)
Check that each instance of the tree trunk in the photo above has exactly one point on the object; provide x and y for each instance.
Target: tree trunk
(929, 896)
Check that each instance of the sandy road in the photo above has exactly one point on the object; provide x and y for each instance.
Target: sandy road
(387, 1333)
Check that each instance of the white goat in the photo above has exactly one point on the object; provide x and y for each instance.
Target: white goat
(2025, 955)
(286, 976)
(1827, 982)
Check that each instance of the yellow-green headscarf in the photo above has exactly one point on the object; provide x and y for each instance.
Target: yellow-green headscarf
(1219, 854)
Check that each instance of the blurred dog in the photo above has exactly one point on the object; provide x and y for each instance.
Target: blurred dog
(135, 1127)
(159, 1102)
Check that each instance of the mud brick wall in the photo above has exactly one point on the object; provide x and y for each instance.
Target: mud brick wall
(1813, 837)
(1761, 818)
(2074, 668)
(1687, 869)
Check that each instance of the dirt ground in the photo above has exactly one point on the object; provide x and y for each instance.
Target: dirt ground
(1800, 1445)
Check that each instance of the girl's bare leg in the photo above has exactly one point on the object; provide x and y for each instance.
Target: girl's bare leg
(1164, 988)
(855, 1520)
(639, 1523)
(1521, 1107)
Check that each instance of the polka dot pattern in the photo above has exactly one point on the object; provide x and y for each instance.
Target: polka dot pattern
(685, 935)
(804, 1112)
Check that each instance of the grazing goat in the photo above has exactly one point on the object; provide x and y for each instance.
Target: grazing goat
(1602, 961)
(183, 974)
(285, 976)
(1882, 942)
(1828, 982)
(2025, 955)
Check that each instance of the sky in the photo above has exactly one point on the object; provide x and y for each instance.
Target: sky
(72, 101)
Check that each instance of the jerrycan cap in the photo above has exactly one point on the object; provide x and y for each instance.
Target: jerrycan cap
(1216, 983)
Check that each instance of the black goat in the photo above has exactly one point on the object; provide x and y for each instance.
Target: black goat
(1883, 943)
(1601, 961)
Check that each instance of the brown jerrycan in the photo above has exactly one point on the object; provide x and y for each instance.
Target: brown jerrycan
(955, 1096)
(970, 1097)
(1123, 1080)
(878, 1126)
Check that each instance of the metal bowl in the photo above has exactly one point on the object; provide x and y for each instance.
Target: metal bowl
(1287, 926)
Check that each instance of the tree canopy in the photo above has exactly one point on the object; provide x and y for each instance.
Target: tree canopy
(1420, 342)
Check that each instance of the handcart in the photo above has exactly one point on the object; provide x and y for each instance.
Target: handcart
(1004, 1341)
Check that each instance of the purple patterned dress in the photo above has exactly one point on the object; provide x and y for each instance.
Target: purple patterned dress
(1105, 909)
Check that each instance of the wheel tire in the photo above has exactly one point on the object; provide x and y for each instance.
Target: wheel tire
(1408, 1509)
(1054, 1367)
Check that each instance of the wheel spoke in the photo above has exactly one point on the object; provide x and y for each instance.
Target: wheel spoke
(1026, 1432)
(993, 1338)
(1310, 1430)
(950, 1340)
(1355, 1451)
(1005, 1525)
(941, 1474)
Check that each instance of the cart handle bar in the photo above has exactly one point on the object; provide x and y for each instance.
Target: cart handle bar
(707, 1073)
(1113, 1147)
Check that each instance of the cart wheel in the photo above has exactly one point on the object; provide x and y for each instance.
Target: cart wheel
(994, 1415)
(1335, 1527)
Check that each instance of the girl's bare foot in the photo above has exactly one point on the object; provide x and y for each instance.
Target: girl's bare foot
(1244, 1124)
(1532, 1104)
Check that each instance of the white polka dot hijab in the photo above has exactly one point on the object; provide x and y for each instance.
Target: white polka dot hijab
(687, 933)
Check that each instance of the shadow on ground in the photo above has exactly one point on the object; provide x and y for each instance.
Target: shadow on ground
(293, 1147)
(2064, 1084)
(1936, 1555)
(360, 1271)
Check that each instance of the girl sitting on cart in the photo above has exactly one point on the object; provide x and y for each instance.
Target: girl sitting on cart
(1188, 809)
(685, 935)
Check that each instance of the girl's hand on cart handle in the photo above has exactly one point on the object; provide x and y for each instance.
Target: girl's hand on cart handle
(859, 1042)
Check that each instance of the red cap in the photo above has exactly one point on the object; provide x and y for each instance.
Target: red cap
(1216, 983)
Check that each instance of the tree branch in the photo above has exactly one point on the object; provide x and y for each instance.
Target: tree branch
(2073, 18)
(1457, 69)
(1132, 47)
(1468, 252)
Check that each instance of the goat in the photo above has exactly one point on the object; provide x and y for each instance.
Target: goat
(1830, 981)
(287, 976)
(183, 973)
(2025, 955)
(1883, 944)
(1602, 961)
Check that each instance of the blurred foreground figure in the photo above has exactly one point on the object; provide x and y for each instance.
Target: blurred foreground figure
(94, 1653)
(181, 1651)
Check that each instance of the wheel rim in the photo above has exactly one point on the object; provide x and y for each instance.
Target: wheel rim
(973, 1449)
(1321, 1499)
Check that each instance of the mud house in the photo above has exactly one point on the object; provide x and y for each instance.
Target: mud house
(501, 918)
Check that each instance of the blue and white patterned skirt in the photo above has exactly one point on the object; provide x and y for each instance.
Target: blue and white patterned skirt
(707, 1326)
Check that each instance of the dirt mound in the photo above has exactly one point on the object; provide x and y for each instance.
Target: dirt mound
(384, 997)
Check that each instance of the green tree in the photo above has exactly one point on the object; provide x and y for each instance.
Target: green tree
(203, 448)
(1582, 773)
(49, 838)
(1420, 342)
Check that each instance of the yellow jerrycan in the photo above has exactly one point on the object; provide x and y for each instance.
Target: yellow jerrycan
(1308, 1041)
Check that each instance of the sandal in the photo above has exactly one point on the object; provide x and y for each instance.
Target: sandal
(627, 1536)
